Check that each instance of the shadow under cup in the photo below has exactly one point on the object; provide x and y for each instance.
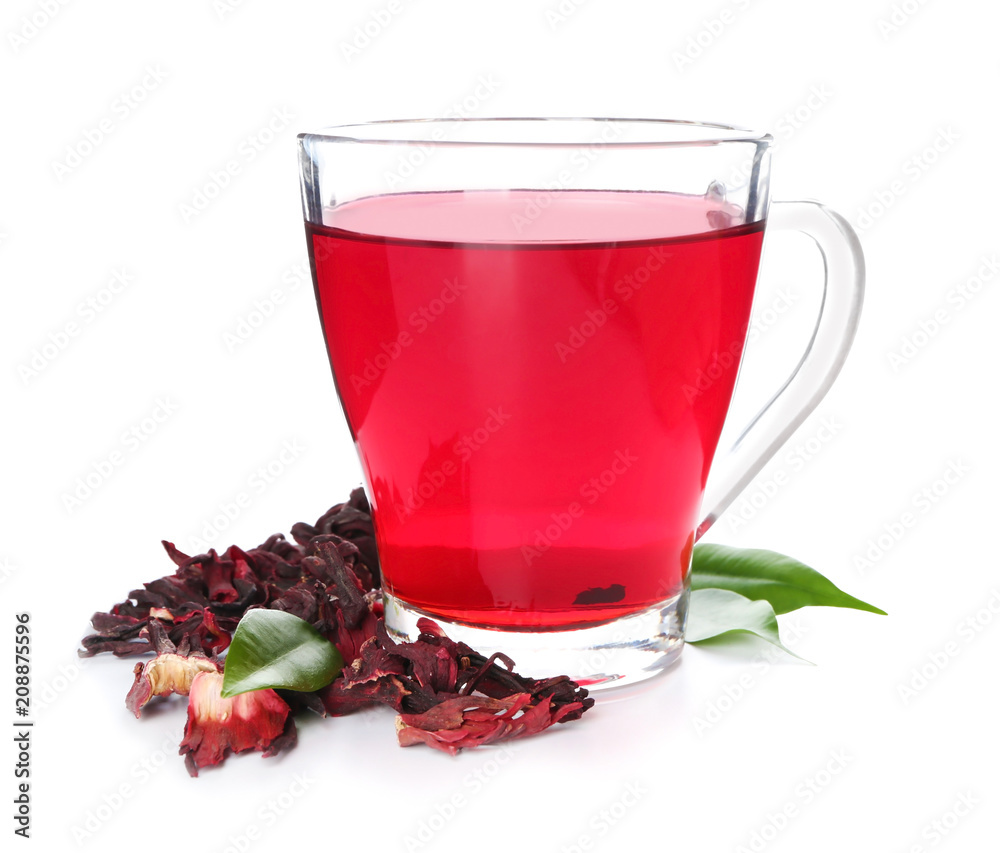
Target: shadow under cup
(535, 328)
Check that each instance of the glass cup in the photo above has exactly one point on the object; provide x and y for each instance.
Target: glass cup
(535, 328)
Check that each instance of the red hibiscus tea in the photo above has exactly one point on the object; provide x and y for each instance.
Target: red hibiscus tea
(535, 327)
(536, 385)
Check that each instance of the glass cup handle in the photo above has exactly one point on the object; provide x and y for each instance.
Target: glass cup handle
(843, 290)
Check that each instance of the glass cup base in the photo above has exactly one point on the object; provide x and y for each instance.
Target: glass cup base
(625, 651)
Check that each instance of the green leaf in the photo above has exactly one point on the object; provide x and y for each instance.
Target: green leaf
(786, 583)
(272, 648)
(714, 612)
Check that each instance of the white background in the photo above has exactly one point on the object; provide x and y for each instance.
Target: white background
(727, 741)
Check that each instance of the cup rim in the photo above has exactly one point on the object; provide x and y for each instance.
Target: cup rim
(432, 132)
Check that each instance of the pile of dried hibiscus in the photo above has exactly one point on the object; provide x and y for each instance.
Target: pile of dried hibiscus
(446, 695)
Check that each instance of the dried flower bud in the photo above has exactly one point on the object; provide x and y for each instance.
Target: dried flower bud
(171, 671)
(216, 726)
(163, 675)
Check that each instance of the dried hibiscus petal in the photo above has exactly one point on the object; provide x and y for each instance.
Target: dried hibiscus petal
(208, 593)
(216, 726)
(163, 675)
(449, 695)
(171, 671)
(376, 677)
(356, 612)
(464, 721)
(352, 521)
